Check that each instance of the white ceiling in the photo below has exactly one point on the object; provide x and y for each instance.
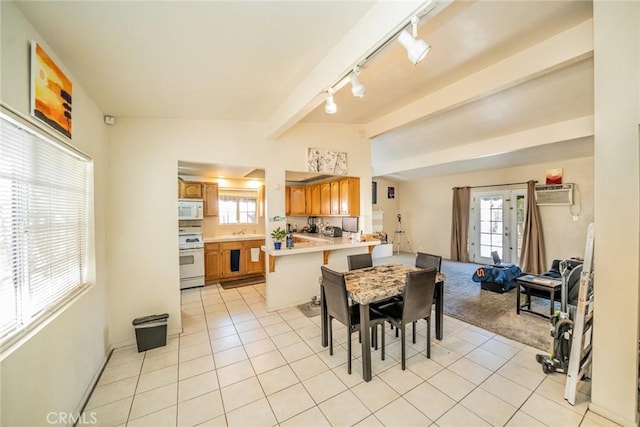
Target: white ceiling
(240, 60)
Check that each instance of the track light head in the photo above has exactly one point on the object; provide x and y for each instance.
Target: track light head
(330, 106)
(417, 49)
(357, 88)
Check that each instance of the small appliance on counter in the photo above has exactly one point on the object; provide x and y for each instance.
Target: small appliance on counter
(332, 231)
(313, 224)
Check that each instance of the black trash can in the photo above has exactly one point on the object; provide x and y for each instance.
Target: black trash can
(151, 331)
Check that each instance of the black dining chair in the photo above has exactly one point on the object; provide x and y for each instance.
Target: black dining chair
(355, 262)
(415, 305)
(335, 296)
(428, 261)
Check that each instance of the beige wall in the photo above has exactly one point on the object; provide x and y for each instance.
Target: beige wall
(143, 159)
(426, 207)
(617, 210)
(54, 368)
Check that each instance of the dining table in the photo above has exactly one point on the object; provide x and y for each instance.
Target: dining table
(373, 284)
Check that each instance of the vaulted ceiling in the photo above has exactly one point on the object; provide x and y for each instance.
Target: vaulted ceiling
(505, 83)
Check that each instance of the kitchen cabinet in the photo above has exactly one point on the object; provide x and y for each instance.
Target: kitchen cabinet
(315, 200)
(212, 271)
(287, 200)
(325, 198)
(335, 198)
(253, 268)
(297, 197)
(232, 251)
(218, 257)
(210, 191)
(189, 190)
(350, 196)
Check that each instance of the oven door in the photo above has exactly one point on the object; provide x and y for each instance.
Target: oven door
(191, 263)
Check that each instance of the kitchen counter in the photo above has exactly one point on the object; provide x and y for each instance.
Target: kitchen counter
(233, 238)
(293, 273)
(317, 243)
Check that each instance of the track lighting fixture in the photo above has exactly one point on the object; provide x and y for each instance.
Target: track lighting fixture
(330, 106)
(357, 88)
(417, 49)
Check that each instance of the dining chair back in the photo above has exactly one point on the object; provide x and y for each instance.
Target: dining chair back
(355, 262)
(428, 261)
(335, 294)
(337, 305)
(415, 305)
(418, 295)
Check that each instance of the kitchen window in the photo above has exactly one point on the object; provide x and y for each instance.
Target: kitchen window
(44, 197)
(238, 206)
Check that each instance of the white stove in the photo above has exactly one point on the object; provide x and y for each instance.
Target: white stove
(191, 245)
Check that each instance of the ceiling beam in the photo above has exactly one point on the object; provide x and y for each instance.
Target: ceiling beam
(562, 131)
(561, 50)
(384, 19)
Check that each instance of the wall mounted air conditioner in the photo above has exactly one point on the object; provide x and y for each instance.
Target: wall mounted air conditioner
(557, 194)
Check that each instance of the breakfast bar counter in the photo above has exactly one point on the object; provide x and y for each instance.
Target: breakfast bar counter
(293, 274)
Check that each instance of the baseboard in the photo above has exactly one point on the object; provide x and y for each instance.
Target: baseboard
(598, 410)
(92, 384)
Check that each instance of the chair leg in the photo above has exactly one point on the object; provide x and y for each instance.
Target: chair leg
(330, 337)
(428, 337)
(404, 360)
(382, 334)
(374, 336)
(349, 352)
(413, 325)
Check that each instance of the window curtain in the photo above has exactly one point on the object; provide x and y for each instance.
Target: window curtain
(460, 224)
(532, 257)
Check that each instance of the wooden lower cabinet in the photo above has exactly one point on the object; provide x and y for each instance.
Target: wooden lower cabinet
(218, 256)
(253, 267)
(235, 249)
(212, 263)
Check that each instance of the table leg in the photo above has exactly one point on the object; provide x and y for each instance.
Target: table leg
(439, 309)
(552, 302)
(323, 318)
(364, 337)
(517, 298)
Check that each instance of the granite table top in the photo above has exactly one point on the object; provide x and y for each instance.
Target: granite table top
(367, 285)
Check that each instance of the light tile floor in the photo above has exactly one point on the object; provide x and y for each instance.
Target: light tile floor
(238, 365)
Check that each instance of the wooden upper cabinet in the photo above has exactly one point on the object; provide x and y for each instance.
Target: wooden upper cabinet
(350, 196)
(297, 205)
(307, 200)
(325, 198)
(335, 197)
(287, 200)
(189, 190)
(261, 198)
(315, 200)
(210, 199)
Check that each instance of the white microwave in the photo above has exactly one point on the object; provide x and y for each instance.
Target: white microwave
(189, 209)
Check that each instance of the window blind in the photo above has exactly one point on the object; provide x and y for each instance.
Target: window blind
(44, 192)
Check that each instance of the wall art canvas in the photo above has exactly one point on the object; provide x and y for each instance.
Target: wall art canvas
(50, 92)
(327, 161)
(554, 176)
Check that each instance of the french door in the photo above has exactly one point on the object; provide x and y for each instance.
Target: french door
(496, 224)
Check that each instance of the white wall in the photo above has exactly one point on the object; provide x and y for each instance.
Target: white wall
(52, 370)
(426, 207)
(143, 158)
(614, 389)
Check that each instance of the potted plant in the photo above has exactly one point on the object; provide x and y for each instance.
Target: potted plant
(278, 236)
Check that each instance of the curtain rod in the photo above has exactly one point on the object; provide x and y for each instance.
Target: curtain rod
(497, 185)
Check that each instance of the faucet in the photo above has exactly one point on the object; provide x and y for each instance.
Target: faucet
(244, 230)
